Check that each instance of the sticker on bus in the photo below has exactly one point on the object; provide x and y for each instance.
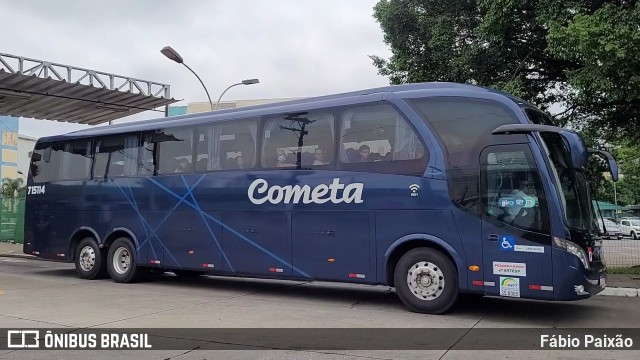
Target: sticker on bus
(509, 268)
(509, 286)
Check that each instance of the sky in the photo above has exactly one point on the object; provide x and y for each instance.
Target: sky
(297, 48)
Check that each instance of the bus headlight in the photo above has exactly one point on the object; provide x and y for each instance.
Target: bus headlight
(573, 248)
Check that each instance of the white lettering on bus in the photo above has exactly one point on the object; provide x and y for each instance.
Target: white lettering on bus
(35, 189)
(294, 194)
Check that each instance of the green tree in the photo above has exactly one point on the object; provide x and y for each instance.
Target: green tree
(582, 55)
(11, 187)
(628, 188)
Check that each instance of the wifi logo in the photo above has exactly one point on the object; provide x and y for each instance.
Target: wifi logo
(414, 189)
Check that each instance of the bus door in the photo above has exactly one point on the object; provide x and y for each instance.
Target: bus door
(516, 239)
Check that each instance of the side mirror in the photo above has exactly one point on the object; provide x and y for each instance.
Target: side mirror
(573, 142)
(577, 149)
(613, 165)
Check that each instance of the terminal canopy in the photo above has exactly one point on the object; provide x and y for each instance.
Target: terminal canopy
(44, 90)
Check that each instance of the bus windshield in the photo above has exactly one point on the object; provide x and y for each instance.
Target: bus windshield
(572, 185)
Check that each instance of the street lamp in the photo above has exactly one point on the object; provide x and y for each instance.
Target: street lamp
(243, 82)
(174, 56)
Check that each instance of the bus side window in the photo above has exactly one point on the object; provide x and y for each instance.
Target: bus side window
(42, 170)
(513, 190)
(299, 140)
(226, 146)
(147, 156)
(116, 156)
(378, 139)
(73, 158)
(176, 150)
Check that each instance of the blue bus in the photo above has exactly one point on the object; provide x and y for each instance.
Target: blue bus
(436, 189)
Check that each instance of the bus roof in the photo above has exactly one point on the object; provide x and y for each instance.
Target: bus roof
(258, 110)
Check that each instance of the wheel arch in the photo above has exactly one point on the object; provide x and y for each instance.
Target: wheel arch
(117, 233)
(413, 241)
(78, 235)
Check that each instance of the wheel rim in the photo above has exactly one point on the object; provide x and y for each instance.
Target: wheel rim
(425, 280)
(87, 258)
(121, 260)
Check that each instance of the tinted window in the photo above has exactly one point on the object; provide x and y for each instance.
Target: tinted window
(226, 146)
(513, 191)
(148, 153)
(378, 139)
(464, 128)
(176, 150)
(538, 117)
(44, 168)
(116, 156)
(298, 140)
(464, 125)
(62, 161)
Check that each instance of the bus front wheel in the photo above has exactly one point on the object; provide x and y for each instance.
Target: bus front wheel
(121, 261)
(426, 281)
(89, 260)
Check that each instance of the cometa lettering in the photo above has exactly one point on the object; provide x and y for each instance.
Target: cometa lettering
(260, 192)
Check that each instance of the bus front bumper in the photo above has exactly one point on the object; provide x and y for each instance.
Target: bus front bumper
(572, 281)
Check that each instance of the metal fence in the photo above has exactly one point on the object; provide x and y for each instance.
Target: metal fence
(12, 219)
(623, 252)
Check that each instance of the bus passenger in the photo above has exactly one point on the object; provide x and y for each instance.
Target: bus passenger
(282, 160)
(240, 162)
(183, 166)
(365, 153)
(319, 157)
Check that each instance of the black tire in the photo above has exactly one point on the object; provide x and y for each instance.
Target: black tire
(126, 269)
(435, 299)
(90, 260)
(634, 236)
(187, 273)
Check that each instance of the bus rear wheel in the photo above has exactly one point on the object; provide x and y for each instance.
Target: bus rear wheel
(121, 261)
(426, 281)
(90, 260)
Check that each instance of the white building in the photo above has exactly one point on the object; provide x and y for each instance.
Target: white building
(25, 148)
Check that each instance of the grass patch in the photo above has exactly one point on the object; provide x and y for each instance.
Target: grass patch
(634, 270)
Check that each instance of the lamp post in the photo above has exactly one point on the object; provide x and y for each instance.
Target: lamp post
(174, 56)
(243, 82)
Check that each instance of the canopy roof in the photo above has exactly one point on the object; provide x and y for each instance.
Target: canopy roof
(44, 90)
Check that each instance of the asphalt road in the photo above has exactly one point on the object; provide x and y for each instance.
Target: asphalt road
(48, 294)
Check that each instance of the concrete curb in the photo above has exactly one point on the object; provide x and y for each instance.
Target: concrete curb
(620, 291)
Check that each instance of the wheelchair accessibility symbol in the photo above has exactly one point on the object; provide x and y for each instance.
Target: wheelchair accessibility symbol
(507, 243)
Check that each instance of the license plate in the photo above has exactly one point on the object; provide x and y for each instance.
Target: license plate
(603, 282)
